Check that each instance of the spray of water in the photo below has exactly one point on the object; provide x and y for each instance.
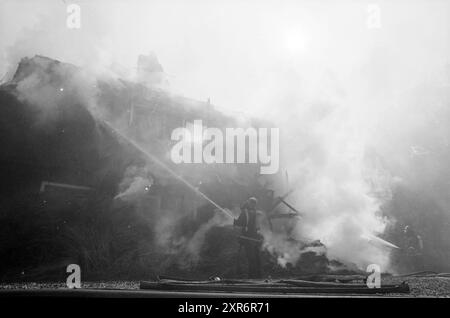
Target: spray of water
(165, 167)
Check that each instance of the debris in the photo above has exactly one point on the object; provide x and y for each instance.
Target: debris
(276, 287)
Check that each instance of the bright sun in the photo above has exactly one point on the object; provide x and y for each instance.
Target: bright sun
(295, 41)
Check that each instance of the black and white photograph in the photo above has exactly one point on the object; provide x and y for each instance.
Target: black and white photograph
(244, 150)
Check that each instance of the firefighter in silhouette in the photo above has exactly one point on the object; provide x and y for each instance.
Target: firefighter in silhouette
(250, 238)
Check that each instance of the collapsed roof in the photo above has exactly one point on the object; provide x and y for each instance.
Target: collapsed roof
(52, 121)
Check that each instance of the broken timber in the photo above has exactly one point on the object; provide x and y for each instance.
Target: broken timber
(278, 287)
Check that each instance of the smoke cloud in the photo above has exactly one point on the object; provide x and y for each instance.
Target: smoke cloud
(363, 111)
(135, 184)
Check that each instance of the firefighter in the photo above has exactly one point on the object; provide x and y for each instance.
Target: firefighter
(250, 238)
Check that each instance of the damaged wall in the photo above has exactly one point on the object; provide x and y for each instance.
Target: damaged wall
(54, 131)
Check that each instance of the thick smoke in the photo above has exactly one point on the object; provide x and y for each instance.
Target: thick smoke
(193, 245)
(43, 88)
(186, 247)
(335, 186)
(363, 111)
(135, 184)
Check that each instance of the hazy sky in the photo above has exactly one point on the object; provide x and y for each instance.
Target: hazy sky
(242, 54)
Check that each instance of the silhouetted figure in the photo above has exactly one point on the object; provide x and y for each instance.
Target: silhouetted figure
(250, 238)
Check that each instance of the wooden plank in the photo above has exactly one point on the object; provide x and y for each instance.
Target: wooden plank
(272, 288)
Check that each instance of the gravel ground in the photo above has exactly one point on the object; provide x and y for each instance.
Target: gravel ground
(423, 286)
(420, 286)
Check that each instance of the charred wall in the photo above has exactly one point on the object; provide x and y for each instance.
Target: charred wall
(70, 146)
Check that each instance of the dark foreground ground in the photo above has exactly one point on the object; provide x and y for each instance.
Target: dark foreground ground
(420, 287)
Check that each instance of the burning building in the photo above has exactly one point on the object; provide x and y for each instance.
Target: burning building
(91, 152)
(72, 140)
